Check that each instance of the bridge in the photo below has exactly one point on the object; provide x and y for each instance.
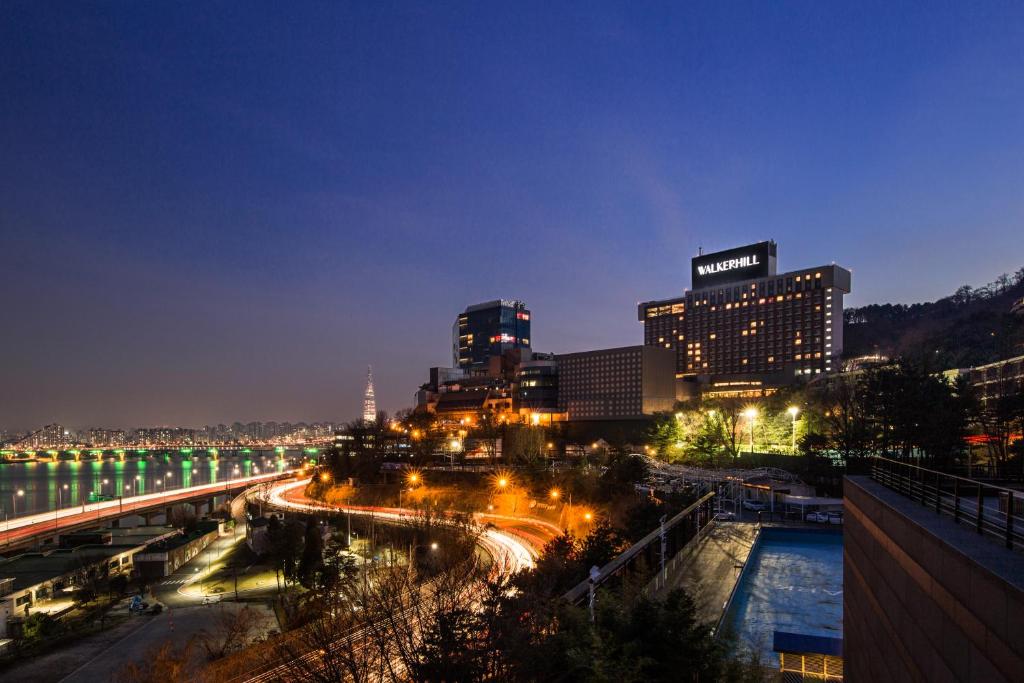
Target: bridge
(43, 529)
(12, 453)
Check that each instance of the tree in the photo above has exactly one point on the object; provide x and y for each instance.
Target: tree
(162, 664)
(284, 544)
(232, 630)
(997, 419)
(312, 554)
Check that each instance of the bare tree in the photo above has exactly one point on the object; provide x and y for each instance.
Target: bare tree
(232, 629)
(162, 664)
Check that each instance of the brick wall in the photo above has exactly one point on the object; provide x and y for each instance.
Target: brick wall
(925, 599)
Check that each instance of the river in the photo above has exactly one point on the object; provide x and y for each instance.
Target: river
(33, 487)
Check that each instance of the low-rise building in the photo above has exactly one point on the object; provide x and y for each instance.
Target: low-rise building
(166, 556)
(44, 581)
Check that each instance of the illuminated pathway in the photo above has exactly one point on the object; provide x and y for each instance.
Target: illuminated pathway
(20, 530)
(513, 542)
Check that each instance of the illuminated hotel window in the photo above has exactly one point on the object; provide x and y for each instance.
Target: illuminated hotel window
(798, 342)
(744, 361)
(817, 275)
(798, 356)
(771, 359)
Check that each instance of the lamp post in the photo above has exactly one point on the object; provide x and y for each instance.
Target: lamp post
(14, 502)
(60, 503)
(793, 410)
(751, 414)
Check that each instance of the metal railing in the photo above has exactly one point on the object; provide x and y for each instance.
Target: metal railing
(959, 497)
(653, 551)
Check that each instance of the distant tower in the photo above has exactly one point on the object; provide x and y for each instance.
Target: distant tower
(369, 402)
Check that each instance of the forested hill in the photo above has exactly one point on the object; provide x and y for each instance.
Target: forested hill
(970, 327)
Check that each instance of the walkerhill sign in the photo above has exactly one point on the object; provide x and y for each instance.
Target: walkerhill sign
(728, 264)
(741, 263)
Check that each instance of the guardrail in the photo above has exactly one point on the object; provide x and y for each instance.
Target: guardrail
(962, 498)
(652, 551)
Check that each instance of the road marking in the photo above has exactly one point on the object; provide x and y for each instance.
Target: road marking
(133, 632)
(172, 582)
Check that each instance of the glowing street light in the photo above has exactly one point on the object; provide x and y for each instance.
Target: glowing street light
(325, 477)
(793, 410)
(588, 516)
(14, 501)
(502, 483)
(433, 546)
(555, 493)
(751, 414)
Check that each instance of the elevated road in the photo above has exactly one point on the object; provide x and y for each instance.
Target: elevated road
(28, 530)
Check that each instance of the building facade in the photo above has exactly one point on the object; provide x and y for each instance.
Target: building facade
(621, 383)
(487, 330)
(744, 328)
(995, 380)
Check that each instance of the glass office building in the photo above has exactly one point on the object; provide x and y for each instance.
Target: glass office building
(489, 329)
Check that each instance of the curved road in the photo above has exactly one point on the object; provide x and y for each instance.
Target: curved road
(514, 542)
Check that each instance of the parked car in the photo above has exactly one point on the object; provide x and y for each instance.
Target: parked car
(726, 516)
(211, 599)
(835, 517)
(755, 505)
(817, 517)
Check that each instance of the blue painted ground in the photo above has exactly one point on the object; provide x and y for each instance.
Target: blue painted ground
(794, 583)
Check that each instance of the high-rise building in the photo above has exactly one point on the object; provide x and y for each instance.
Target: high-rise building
(489, 330)
(369, 401)
(744, 328)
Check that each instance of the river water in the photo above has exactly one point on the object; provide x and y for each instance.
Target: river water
(33, 487)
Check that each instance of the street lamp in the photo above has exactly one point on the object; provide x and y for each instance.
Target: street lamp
(751, 414)
(793, 410)
(14, 502)
(555, 493)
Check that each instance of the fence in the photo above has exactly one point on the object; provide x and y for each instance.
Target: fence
(646, 555)
(962, 498)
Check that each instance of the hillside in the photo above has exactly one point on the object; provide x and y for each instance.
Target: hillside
(969, 327)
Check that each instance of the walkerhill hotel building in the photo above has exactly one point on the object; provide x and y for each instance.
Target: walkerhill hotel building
(744, 328)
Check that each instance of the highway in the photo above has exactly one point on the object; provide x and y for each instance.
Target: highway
(26, 527)
(513, 542)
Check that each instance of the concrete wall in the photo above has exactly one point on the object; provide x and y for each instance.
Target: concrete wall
(926, 599)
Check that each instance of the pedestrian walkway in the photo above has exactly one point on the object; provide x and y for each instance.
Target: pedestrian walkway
(175, 580)
(708, 569)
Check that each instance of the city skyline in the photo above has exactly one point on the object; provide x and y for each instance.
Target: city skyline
(194, 247)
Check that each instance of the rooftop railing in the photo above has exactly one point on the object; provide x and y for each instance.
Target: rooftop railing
(967, 501)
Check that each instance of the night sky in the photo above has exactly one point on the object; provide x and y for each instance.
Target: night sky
(219, 211)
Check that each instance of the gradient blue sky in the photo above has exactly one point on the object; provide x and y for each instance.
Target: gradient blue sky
(221, 211)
